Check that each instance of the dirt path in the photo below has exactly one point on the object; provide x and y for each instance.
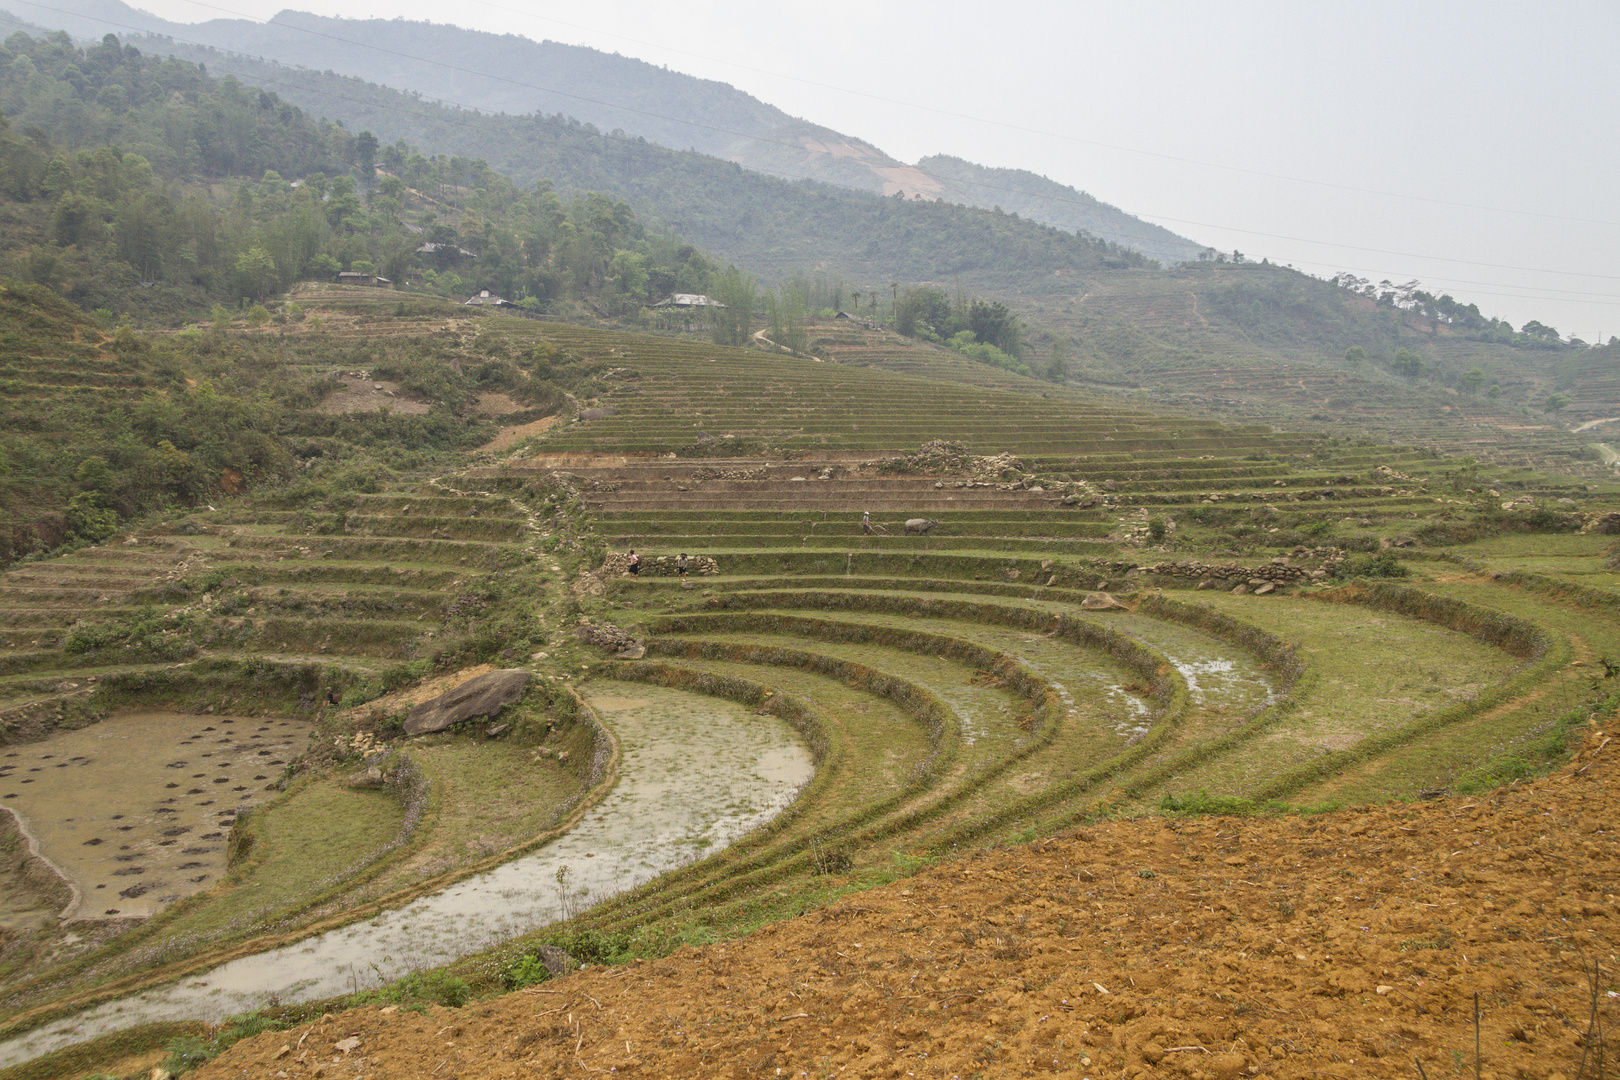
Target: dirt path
(509, 437)
(1196, 314)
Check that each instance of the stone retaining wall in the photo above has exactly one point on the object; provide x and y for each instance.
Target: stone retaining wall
(617, 564)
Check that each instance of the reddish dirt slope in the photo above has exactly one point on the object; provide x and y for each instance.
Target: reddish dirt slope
(1349, 945)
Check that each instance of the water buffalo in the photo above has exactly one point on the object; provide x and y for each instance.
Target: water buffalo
(921, 526)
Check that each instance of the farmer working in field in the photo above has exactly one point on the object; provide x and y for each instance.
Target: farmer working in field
(866, 522)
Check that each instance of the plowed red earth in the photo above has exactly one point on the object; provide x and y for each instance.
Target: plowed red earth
(1348, 945)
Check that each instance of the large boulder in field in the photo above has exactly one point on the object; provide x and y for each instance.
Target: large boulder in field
(484, 696)
(1101, 601)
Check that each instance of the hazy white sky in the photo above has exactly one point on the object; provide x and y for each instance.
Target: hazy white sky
(1474, 146)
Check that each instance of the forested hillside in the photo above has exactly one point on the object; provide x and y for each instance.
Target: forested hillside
(508, 74)
(147, 187)
(138, 192)
(144, 187)
(1018, 191)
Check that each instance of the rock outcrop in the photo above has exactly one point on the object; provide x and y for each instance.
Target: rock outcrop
(484, 696)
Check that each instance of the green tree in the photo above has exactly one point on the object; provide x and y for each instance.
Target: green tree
(1057, 367)
(1471, 381)
(256, 275)
(1355, 354)
(733, 323)
(627, 281)
(792, 334)
(1556, 402)
(922, 311)
(365, 148)
(993, 323)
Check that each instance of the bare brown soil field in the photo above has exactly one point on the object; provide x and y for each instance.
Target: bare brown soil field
(364, 395)
(509, 437)
(1349, 945)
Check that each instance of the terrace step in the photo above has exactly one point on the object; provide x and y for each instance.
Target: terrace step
(370, 549)
(81, 577)
(832, 502)
(22, 618)
(53, 596)
(790, 532)
(723, 547)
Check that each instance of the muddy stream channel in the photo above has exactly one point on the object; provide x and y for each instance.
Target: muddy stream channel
(697, 773)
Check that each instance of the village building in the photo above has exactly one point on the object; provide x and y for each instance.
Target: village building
(355, 277)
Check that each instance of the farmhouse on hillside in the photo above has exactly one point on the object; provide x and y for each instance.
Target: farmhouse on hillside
(355, 277)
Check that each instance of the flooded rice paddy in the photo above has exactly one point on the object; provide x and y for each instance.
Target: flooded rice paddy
(696, 774)
(134, 812)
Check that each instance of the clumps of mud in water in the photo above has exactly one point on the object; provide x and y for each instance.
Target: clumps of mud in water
(112, 802)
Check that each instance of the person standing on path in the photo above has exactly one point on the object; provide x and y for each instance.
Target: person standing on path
(680, 566)
(634, 567)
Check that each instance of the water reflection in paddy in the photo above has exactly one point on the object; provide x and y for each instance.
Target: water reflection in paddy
(697, 773)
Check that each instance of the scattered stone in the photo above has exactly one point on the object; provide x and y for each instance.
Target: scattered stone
(1101, 601)
(378, 770)
(617, 565)
(611, 638)
(557, 961)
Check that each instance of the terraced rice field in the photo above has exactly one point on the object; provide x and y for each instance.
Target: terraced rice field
(1030, 712)
(1139, 614)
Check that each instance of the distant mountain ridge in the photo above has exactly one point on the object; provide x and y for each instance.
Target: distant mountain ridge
(616, 93)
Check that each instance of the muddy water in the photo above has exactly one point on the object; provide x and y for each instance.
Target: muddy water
(134, 811)
(696, 774)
